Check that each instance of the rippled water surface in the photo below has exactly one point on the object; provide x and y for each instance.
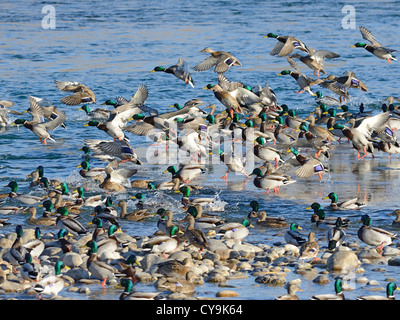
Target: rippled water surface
(112, 45)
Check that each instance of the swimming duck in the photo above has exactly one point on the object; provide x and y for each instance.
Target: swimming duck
(51, 284)
(286, 45)
(99, 269)
(270, 180)
(292, 236)
(376, 48)
(91, 201)
(71, 224)
(206, 222)
(120, 149)
(186, 173)
(352, 204)
(107, 246)
(292, 288)
(24, 198)
(137, 215)
(310, 248)
(35, 246)
(81, 93)
(302, 80)
(128, 294)
(184, 286)
(374, 236)
(87, 171)
(315, 59)
(390, 288)
(98, 113)
(195, 237)
(10, 209)
(48, 206)
(396, 221)
(41, 129)
(179, 70)
(220, 60)
(272, 222)
(338, 295)
(36, 175)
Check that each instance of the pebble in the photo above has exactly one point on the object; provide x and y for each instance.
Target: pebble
(321, 279)
(342, 259)
(226, 294)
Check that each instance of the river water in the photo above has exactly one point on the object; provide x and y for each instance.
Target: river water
(111, 46)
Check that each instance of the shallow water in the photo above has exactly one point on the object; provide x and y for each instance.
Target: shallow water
(112, 49)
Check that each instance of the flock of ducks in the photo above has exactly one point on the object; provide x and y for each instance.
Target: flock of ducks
(285, 144)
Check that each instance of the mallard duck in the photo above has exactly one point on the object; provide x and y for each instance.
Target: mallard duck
(326, 223)
(116, 178)
(98, 113)
(42, 110)
(206, 222)
(390, 289)
(310, 248)
(41, 129)
(87, 172)
(128, 294)
(326, 100)
(302, 80)
(286, 45)
(376, 48)
(107, 246)
(17, 251)
(220, 60)
(281, 136)
(10, 209)
(71, 224)
(111, 128)
(164, 244)
(292, 236)
(334, 86)
(165, 223)
(48, 206)
(349, 80)
(174, 268)
(106, 214)
(272, 222)
(308, 166)
(338, 295)
(292, 288)
(187, 172)
(234, 230)
(270, 180)
(352, 204)
(127, 267)
(187, 201)
(65, 245)
(374, 236)
(4, 111)
(361, 135)
(51, 284)
(234, 162)
(223, 96)
(91, 201)
(99, 269)
(336, 235)
(115, 149)
(36, 175)
(30, 271)
(315, 59)
(184, 286)
(267, 153)
(318, 131)
(81, 93)
(396, 221)
(195, 237)
(179, 70)
(35, 246)
(24, 198)
(137, 215)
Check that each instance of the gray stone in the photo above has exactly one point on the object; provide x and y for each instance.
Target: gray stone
(343, 259)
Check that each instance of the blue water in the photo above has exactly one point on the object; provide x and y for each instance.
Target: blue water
(112, 46)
